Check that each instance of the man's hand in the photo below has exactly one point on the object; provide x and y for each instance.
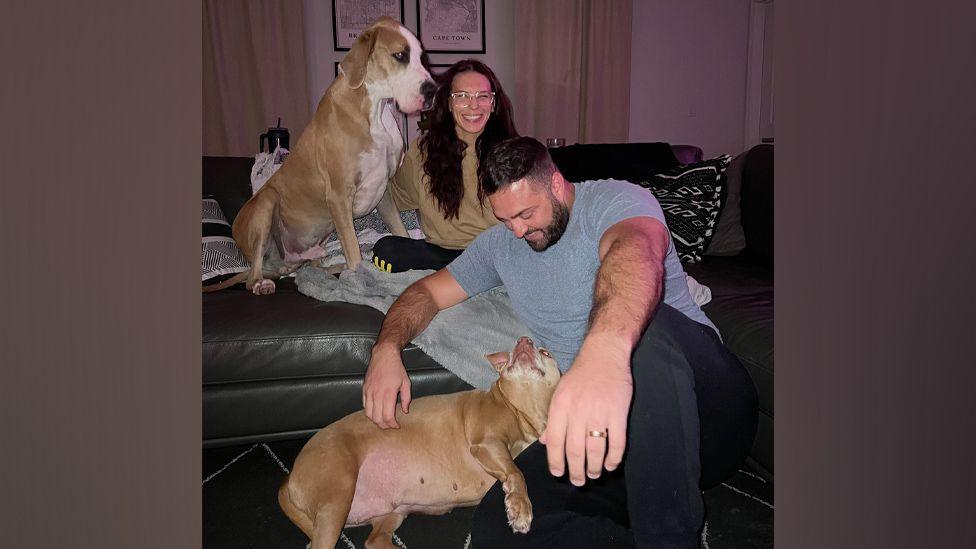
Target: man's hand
(385, 378)
(408, 316)
(594, 395)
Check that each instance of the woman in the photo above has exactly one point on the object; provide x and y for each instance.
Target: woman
(439, 174)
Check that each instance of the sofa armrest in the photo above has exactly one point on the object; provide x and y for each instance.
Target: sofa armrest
(757, 204)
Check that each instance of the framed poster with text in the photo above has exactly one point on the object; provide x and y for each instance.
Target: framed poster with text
(451, 26)
(351, 17)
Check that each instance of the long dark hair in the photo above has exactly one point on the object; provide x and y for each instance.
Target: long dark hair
(443, 150)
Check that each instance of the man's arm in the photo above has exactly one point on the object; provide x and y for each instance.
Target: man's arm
(408, 316)
(595, 393)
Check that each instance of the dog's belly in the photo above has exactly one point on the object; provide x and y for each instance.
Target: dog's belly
(394, 480)
(298, 248)
(374, 180)
(310, 254)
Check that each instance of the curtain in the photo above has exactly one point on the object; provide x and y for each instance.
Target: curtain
(572, 69)
(253, 72)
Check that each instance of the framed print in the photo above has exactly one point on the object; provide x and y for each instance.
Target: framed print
(351, 17)
(451, 26)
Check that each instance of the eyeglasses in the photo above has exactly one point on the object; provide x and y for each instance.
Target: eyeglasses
(463, 99)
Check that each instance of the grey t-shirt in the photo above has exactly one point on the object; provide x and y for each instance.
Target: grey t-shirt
(552, 290)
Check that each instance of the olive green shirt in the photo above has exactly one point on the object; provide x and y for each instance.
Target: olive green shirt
(409, 190)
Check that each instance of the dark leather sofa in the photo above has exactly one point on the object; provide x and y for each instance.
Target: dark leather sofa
(282, 366)
(742, 291)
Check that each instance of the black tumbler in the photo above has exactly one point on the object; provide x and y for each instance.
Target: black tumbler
(275, 136)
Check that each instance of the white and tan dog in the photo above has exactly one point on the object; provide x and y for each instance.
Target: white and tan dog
(341, 164)
(447, 453)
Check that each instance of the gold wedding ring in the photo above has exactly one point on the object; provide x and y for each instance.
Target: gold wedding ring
(600, 434)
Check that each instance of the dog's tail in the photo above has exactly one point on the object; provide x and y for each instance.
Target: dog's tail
(236, 279)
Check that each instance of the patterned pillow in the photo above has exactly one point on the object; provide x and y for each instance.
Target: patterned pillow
(691, 196)
(220, 257)
(373, 221)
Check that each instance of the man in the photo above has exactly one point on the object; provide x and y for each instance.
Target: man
(592, 272)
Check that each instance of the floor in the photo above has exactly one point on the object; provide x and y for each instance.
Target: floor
(240, 508)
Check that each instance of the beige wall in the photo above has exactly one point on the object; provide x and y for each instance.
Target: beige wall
(688, 73)
(688, 67)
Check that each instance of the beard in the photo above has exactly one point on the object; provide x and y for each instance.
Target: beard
(552, 232)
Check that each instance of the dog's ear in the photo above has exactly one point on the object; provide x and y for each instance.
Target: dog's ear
(353, 65)
(498, 360)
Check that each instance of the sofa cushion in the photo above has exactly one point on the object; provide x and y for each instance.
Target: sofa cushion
(289, 335)
(691, 197)
(742, 309)
(729, 239)
(220, 257)
(283, 366)
(757, 203)
(294, 408)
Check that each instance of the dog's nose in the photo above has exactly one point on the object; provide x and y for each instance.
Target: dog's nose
(524, 340)
(428, 89)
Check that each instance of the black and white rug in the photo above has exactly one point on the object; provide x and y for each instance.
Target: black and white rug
(240, 508)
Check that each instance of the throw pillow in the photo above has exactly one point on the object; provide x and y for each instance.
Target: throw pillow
(372, 220)
(729, 237)
(369, 229)
(220, 257)
(691, 196)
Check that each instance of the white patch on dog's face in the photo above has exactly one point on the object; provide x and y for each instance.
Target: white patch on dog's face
(407, 83)
(404, 77)
(529, 376)
(528, 362)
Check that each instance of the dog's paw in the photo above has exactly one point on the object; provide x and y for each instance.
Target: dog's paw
(263, 287)
(519, 511)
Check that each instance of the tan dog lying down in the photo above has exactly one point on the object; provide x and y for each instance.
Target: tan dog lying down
(339, 168)
(447, 453)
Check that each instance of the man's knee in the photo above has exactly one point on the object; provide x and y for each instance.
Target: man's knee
(673, 338)
(671, 323)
